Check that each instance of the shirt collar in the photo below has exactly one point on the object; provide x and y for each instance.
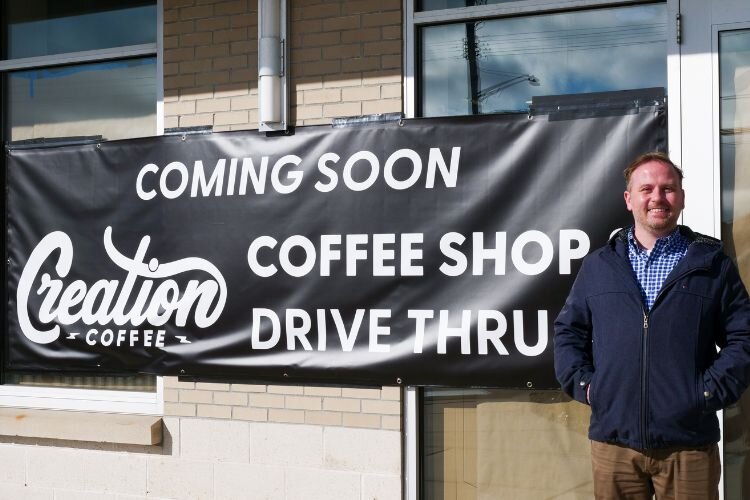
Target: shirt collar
(663, 244)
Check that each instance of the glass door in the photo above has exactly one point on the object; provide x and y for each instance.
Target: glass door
(734, 160)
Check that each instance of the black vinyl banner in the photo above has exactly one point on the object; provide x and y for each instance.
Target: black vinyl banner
(426, 251)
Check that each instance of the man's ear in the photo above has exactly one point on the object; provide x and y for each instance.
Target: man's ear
(627, 200)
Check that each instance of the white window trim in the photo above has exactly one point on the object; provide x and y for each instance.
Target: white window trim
(106, 401)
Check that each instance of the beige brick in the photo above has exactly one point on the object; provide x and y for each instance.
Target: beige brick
(361, 6)
(341, 23)
(390, 422)
(175, 383)
(381, 77)
(303, 402)
(214, 411)
(322, 391)
(171, 96)
(195, 66)
(221, 128)
(212, 24)
(230, 90)
(213, 50)
(325, 10)
(245, 47)
(252, 414)
(179, 108)
(171, 15)
(391, 393)
(249, 481)
(171, 395)
(360, 35)
(308, 26)
(342, 51)
(317, 121)
(179, 28)
(13, 464)
(306, 54)
(361, 63)
(171, 42)
(248, 388)
(230, 35)
(343, 109)
(197, 120)
(244, 20)
(177, 55)
(381, 486)
(392, 61)
(391, 32)
(244, 75)
(323, 418)
(230, 398)
(339, 404)
(197, 93)
(321, 39)
(171, 69)
(305, 483)
(230, 117)
(343, 80)
(188, 396)
(179, 409)
(179, 81)
(382, 106)
(196, 12)
(322, 96)
(309, 111)
(193, 39)
(361, 420)
(382, 407)
(360, 392)
(307, 83)
(286, 416)
(230, 62)
(211, 106)
(382, 47)
(285, 389)
(171, 122)
(174, 4)
(244, 102)
(252, 125)
(382, 19)
(236, 7)
(213, 77)
(360, 93)
(391, 91)
(266, 400)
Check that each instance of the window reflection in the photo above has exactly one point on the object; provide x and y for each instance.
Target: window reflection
(47, 27)
(452, 4)
(569, 53)
(734, 136)
(113, 98)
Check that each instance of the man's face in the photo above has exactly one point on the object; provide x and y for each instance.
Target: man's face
(655, 197)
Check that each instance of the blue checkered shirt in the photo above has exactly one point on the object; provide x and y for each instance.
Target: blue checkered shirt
(652, 268)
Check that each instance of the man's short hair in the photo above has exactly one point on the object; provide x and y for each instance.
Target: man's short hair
(659, 156)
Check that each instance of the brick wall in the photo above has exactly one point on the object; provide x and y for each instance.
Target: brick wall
(329, 406)
(345, 60)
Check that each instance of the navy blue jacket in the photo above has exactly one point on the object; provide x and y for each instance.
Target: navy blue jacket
(656, 376)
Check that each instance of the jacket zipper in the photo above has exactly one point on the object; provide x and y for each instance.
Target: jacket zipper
(644, 379)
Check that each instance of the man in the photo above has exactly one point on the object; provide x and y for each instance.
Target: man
(637, 341)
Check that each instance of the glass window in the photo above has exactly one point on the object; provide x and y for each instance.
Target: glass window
(111, 95)
(47, 27)
(504, 444)
(452, 4)
(498, 65)
(116, 99)
(734, 138)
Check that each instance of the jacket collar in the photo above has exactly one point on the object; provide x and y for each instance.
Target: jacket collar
(702, 249)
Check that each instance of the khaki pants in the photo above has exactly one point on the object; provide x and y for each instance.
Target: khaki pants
(669, 473)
